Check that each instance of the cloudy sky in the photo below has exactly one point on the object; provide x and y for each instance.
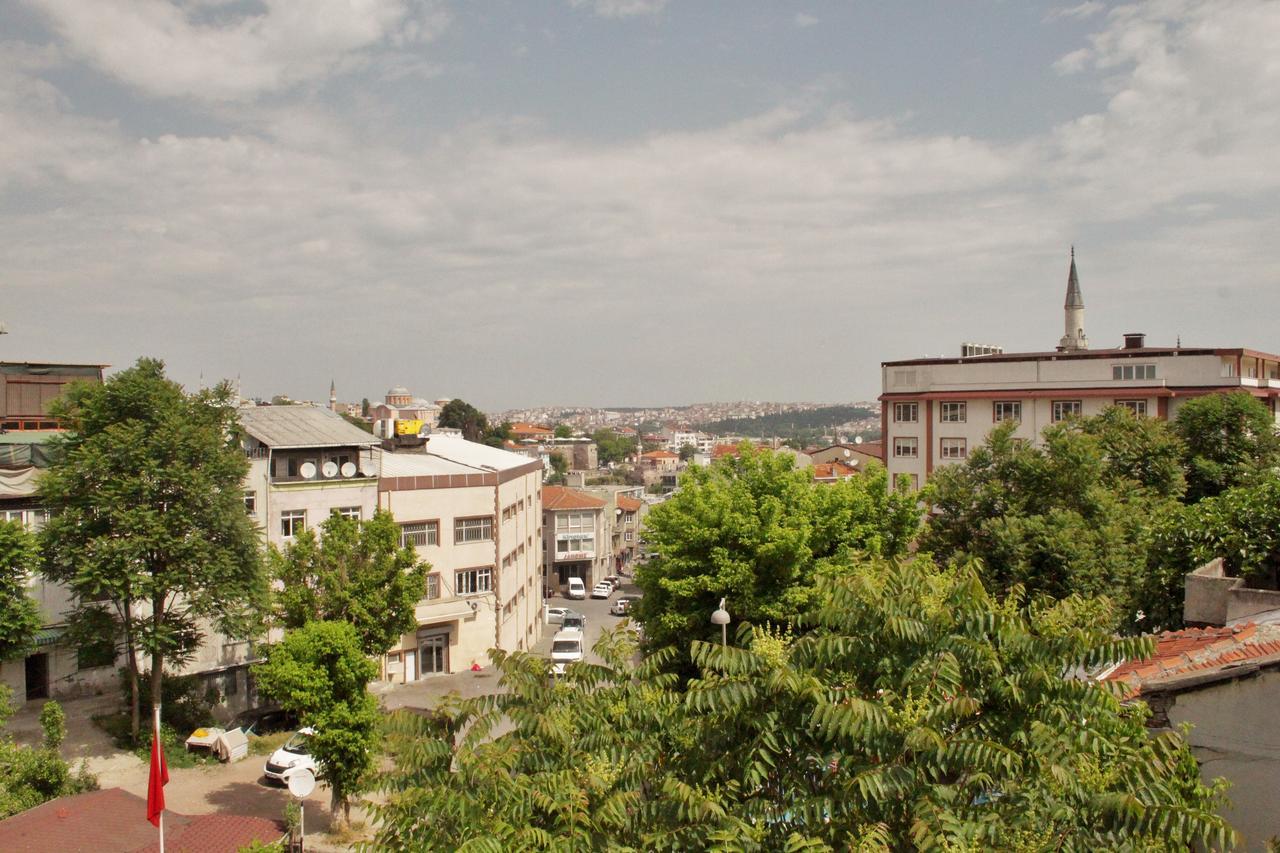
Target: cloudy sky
(627, 201)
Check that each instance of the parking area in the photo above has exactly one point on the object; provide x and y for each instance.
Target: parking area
(599, 619)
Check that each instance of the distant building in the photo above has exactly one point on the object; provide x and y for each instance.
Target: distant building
(855, 455)
(934, 411)
(27, 389)
(521, 431)
(831, 472)
(400, 405)
(577, 532)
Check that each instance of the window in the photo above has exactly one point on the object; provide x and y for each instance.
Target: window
(1137, 407)
(1063, 409)
(628, 536)
(230, 683)
(1133, 371)
(1006, 410)
(292, 522)
(954, 448)
(291, 466)
(420, 533)
(573, 544)
(433, 587)
(250, 502)
(473, 529)
(953, 413)
(472, 581)
(351, 512)
(906, 413)
(907, 448)
(99, 652)
(575, 521)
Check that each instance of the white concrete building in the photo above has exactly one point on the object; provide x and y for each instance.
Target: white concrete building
(934, 411)
(474, 513)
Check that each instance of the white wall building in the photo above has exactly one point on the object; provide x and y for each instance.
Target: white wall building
(474, 513)
(934, 411)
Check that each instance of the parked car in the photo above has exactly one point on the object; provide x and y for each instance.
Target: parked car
(621, 607)
(602, 590)
(261, 721)
(293, 756)
(577, 589)
(614, 581)
(573, 622)
(555, 615)
(566, 647)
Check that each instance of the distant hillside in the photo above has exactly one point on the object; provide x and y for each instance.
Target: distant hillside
(799, 425)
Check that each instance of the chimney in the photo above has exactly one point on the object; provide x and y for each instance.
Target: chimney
(1135, 340)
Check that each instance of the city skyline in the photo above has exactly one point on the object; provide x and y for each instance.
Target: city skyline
(653, 201)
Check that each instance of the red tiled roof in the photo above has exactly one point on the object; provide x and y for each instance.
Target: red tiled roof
(659, 454)
(629, 504)
(562, 497)
(833, 471)
(724, 450)
(114, 819)
(1196, 650)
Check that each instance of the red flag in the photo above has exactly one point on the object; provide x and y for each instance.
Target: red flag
(158, 779)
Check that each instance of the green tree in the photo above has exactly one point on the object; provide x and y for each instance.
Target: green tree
(611, 448)
(497, 436)
(147, 493)
(30, 776)
(1241, 525)
(562, 431)
(364, 407)
(1230, 441)
(461, 415)
(358, 422)
(687, 452)
(559, 469)
(321, 673)
(355, 572)
(760, 532)
(922, 713)
(19, 615)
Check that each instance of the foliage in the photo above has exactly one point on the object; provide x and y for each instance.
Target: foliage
(919, 712)
(19, 615)
(30, 776)
(185, 702)
(758, 531)
(147, 493)
(559, 469)
(53, 722)
(797, 424)
(256, 846)
(1067, 516)
(1230, 440)
(357, 572)
(365, 425)
(562, 431)
(1241, 525)
(687, 452)
(461, 415)
(320, 672)
(611, 448)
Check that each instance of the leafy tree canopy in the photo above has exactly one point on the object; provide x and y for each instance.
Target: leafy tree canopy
(320, 672)
(355, 572)
(147, 492)
(760, 532)
(612, 448)
(562, 431)
(1230, 441)
(921, 713)
(461, 415)
(19, 616)
(559, 469)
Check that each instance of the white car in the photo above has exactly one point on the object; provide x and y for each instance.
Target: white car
(555, 615)
(577, 589)
(566, 647)
(295, 755)
(604, 589)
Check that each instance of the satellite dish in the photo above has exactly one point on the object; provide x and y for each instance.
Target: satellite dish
(847, 454)
(348, 469)
(308, 470)
(330, 469)
(302, 783)
(366, 468)
(857, 439)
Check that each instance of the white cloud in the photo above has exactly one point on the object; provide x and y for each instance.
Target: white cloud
(1079, 12)
(621, 8)
(166, 49)
(804, 19)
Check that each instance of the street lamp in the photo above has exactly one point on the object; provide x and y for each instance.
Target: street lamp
(720, 617)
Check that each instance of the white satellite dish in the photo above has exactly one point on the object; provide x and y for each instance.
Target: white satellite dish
(308, 470)
(366, 468)
(302, 783)
(857, 440)
(330, 469)
(348, 469)
(847, 454)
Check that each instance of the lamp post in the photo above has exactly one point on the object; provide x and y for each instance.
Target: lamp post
(720, 617)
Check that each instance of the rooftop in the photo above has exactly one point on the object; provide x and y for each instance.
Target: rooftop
(1114, 352)
(1199, 652)
(282, 427)
(562, 497)
(455, 448)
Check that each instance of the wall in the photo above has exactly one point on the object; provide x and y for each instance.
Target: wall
(317, 497)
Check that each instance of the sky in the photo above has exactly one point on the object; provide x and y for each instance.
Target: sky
(627, 202)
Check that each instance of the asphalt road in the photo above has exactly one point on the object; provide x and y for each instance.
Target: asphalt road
(599, 619)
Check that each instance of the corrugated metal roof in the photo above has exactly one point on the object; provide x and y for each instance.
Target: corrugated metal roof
(422, 465)
(455, 448)
(302, 426)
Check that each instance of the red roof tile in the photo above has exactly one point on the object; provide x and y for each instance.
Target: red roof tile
(629, 504)
(1198, 649)
(562, 497)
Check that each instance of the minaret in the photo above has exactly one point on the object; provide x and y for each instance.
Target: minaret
(1074, 339)
(333, 395)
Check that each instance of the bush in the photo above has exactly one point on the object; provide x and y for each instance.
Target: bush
(185, 705)
(54, 723)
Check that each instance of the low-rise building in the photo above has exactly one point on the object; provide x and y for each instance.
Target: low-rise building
(577, 532)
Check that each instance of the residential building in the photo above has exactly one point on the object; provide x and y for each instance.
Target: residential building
(306, 463)
(832, 472)
(27, 389)
(577, 531)
(474, 513)
(522, 431)
(856, 455)
(934, 411)
(626, 507)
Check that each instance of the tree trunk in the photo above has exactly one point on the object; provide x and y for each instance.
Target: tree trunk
(157, 654)
(131, 664)
(339, 809)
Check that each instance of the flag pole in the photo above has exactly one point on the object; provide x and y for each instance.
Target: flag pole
(157, 736)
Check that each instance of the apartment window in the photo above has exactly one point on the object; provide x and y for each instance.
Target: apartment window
(420, 533)
(906, 413)
(628, 536)
(291, 466)
(351, 512)
(575, 521)
(572, 544)
(250, 502)
(1138, 407)
(292, 522)
(1133, 371)
(433, 587)
(1006, 410)
(954, 448)
(1063, 409)
(472, 581)
(906, 448)
(953, 413)
(473, 529)
(629, 518)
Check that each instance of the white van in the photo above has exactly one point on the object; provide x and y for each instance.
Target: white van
(566, 647)
(577, 589)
